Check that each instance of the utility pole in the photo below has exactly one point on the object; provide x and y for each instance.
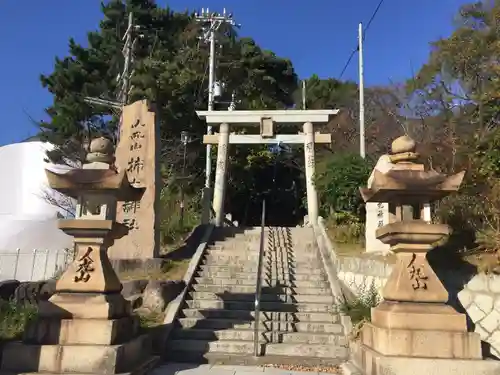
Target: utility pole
(123, 79)
(211, 22)
(361, 94)
(128, 55)
(304, 94)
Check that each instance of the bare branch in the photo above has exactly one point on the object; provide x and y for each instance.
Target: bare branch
(59, 200)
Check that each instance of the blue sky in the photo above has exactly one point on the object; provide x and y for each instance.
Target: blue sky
(317, 35)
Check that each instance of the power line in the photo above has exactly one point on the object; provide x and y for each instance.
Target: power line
(374, 14)
(123, 79)
(211, 22)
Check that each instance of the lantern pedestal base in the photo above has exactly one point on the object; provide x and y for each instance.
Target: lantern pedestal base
(131, 357)
(367, 361)
(85, 333)
(418, 316)
(85, 306)
(421, 343)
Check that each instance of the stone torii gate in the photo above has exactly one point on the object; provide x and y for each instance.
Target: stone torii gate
(267, 120)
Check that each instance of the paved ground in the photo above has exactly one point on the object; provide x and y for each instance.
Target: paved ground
(190, 369)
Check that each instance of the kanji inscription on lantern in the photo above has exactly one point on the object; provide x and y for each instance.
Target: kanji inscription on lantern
(135, 164)
(131, 206)
(85, 267)
(131, 223)
(417, 276)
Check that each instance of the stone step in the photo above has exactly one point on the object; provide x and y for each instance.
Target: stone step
(311, 338)
(269, 283)
(228, 296)
(202, 304)
(307, 250)
(217, 272)
(221, 324)
(224, 346)
(265, 289)
(280, 267)
(244, 241)
(246, 347)
(248, 334)
(191, 357)
(209, 259)
(250, 315)
(237, 324)
(308, 350)
(252, 257)
(252, 268)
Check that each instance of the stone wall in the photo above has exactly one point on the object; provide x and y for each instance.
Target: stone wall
(476, 295)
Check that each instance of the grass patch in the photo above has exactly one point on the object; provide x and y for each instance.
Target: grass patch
(171, 270)
(150, 319)
(346, 249)
(347, 237)
(359, 308)
(13, 319)
(487, 262)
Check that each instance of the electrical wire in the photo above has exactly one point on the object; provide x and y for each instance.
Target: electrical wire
(374, 14)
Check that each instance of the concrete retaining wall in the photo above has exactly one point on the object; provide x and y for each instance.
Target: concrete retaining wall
(476, 295)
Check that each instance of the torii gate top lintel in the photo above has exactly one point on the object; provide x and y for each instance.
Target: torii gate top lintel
(287, 116)
(266, 119)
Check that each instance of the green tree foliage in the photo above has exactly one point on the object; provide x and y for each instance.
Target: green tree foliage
(327, 93)
(338, 181)
(456, 95)
(170, 69)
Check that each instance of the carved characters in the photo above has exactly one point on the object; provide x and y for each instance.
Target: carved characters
(221, 165)
(85, 267)
(131, 223)
(309, 154)
(131, 206)
(416, 273)
(136, 151)
(380, 215)
(135, 164)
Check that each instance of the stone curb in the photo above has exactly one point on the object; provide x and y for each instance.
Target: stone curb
(174, 307)
(330, 262)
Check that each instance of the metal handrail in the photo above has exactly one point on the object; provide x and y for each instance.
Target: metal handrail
(258, 287)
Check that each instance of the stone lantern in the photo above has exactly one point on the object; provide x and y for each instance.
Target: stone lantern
(86, 326)
(413, 330)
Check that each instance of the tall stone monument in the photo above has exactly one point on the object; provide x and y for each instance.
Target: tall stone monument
(86, 327)
(137, 155)
(413, 331)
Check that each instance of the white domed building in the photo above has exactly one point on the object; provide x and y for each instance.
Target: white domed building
(31, 245)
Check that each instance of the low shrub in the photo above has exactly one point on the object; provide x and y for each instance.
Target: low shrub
(172, 229)
(14, 317)
(338, 180)
(359, 308)
(345, 228)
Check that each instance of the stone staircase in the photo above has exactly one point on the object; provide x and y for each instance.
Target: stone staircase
(299, 321)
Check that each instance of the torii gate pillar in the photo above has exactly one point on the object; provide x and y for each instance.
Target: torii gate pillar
(220, 175)
(310, 166)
